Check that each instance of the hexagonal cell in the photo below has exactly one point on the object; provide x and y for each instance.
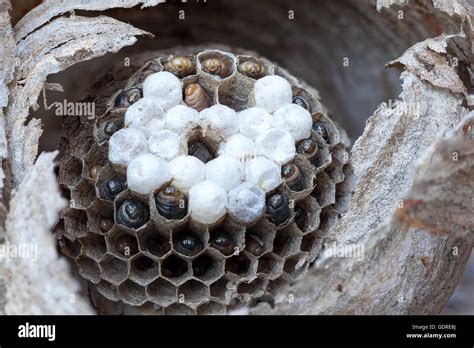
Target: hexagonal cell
(188, 242)
(103, 305)
(193, 292)
(100, 216)
(179, 309)
(211, 308)
(254, 288)
(132, 293)
(154, 242)
(325, 190)
(242, 265)
(122, 243)
(208, 267)
(287, 241)
(309, 243)
(70, 248)
(83, 195)
(75, 223)
(70, 172)
(148, 308)
(175, 269)
(161, 292)
(329, 218)
(278, 287)
(259, 240)
(296, 265)
(107, 290)
(335, 171)
(95, 160)
(227, 239)
(63, 149)
(143, 270)
(206, 64)
(110, 183)
(109, 124)
(234, 94)
(132, 211)
(93, 246)
(219, 289)
(307, 214)
(270, 265)
(88, 268)
(82, 142)
(113, 269)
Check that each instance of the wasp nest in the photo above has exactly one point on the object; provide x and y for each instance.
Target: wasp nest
(206, 183)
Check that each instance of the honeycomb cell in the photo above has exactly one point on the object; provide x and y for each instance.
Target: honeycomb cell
(105, 306)
(108, 290)
(287, 241)
(219, 289)
(270, 265)
(132, 211)
(234, 94)
(113, 269)
(211, 308)
(148, 308)
(109, 124)
(309, 243)
(88, 268)
(161, 292)
(94, 161)
(69, 247)
(254, 288)
(154, 242)
(93, 246)
(82, 141)
(278, 287)
(179, 309)
(143, 269)
(100, 217)
(216, 64)
(132, 293)
(75, 223)
(307, 213)
(322, 158)
(110, 183)
(242, 265)
(175, 269)
(70, 172)
(208, 267)
(325, 190)
(188, 243)
(193, 292)
(227, 239)
(122, 243)
(83, 194)
(258, 240)
(296, 265)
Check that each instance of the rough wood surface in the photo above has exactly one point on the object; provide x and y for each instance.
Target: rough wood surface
(38, 283)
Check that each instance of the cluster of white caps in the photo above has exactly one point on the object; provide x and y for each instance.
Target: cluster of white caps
(255, 143)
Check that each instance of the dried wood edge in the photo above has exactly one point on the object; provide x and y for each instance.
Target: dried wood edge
(40, 283)
(7, 64)
(50, 9)
(406, 268)
(51, 49)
